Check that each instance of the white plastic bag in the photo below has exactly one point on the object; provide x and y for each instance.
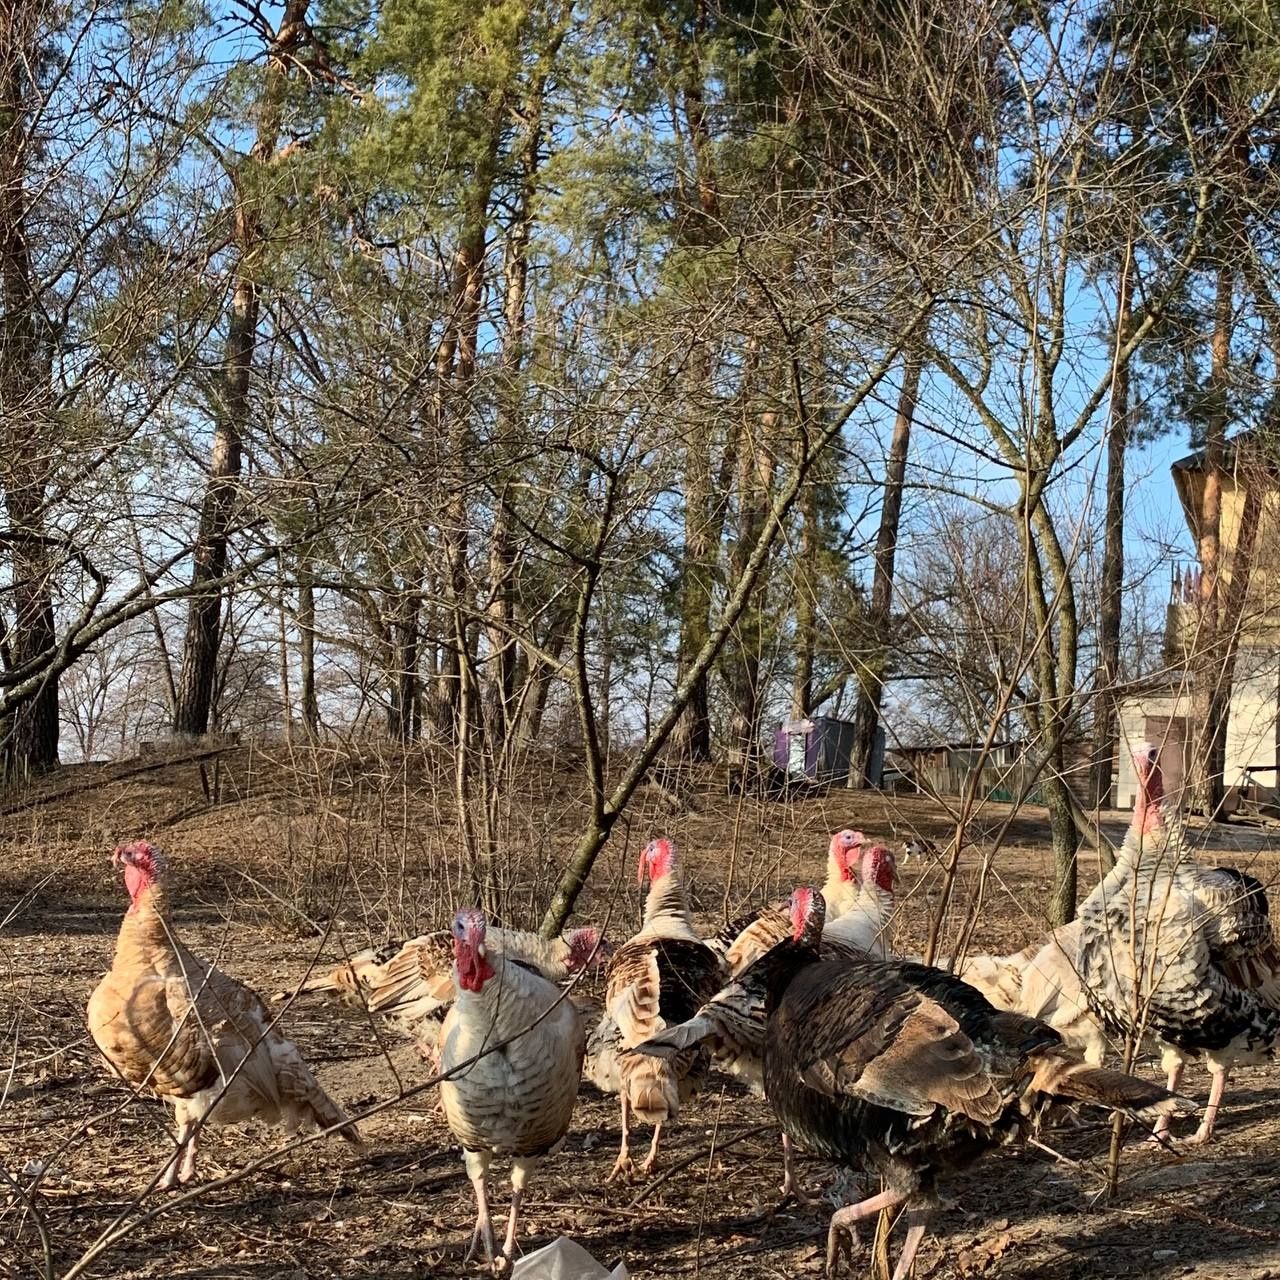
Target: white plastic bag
(563, 1259)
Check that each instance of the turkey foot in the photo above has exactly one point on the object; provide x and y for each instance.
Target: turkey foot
(1204, 1133)
(792, 1190)
(1173, 1066)
(182, 1168)
(842, 1226)
(622, 1166)
(646, 1166)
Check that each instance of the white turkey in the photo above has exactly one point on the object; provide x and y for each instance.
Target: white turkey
(753, 933)
(865, 924)
(1180, 951)
(511, 1054)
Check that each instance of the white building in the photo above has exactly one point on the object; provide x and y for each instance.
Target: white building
(1164, 711)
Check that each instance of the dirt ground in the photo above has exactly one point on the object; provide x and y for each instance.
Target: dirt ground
(266, 857)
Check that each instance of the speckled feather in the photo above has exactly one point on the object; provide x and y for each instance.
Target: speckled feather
(1191, 947)
(519, 1099)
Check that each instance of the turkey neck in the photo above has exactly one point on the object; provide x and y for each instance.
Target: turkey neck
(509, 982)
(666, 909)
(145, 927)
(876, 900)
(836, 889)
(1152, 847)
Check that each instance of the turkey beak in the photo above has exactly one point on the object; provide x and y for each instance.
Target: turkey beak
(640, 870)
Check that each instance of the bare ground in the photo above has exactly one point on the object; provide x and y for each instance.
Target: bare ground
(283, 839)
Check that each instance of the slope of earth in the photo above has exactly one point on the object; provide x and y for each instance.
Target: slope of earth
(282, 860)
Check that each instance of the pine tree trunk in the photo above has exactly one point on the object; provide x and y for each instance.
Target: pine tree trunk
(755, 487)
(692, 737)
(402, 710)
(1110, 610)
(806, 611)
(27, 451)
(542, 677)
(455, 373)
(503, 650)
(871, 672)
(33, 732)
(193, 708)
(308, 699)
(197, 674)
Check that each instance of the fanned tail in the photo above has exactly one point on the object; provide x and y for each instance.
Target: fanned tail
(352, 980)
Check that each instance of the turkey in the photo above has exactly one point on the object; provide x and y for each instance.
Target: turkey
(511, 1054)
(1181, 951)
(411, 983)
(166, 1020)
(732, 1022)
(751, 935)
(658, 978)
(1041, 981)
(865, 924)
(908, 1072)
(737, 945)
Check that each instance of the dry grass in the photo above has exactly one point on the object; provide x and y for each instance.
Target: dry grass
(298, 855)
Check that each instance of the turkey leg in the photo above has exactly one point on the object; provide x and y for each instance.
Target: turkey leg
(1160, 1133)
(478, 1170)
(182, 1166)
(917, 1220)
(1216, 1090)
(790, 1183)
(651, 1159)
(622, 1166)
(844, 1220)
(522, 1168)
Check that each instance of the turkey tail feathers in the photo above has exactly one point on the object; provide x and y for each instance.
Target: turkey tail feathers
(1066, 1077)
(653, 1090)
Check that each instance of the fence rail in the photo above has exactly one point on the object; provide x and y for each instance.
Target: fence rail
(1004, 783)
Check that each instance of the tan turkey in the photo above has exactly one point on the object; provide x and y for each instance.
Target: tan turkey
(170, 1022)
(658, 978)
